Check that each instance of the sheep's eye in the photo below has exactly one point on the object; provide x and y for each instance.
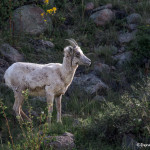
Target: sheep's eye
(77, 54)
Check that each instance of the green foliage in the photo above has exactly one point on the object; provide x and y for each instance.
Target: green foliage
(129, 116)
(141, 45)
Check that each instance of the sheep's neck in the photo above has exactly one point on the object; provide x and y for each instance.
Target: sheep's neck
(68, 70)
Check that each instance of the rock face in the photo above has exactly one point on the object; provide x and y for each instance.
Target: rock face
(63, 142)
(102, 17)
(123, 58)
(11, 54)
(41, 45)
(126, 37)
(89, 84)
(28, 19)
(134, 18)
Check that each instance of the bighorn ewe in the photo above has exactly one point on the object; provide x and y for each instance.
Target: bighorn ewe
(50, 80)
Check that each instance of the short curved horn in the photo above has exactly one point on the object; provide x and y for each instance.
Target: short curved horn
(71, 42)
(74, 41)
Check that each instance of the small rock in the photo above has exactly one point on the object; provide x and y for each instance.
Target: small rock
(102, 17)
(101, 68)
(132, 27)
(129, 143)
(126, 37)
(10, 53)
(63, 142)
(89, 6)
(123, 58)
(134, 18)
(28, 19)
(99, 98)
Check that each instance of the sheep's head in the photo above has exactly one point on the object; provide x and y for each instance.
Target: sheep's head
(76, 54)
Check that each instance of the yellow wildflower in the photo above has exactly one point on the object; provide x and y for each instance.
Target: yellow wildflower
(46, 1)
(48, 11)
(54, 9)
(42, 14)
(45, 20)
(51, 10)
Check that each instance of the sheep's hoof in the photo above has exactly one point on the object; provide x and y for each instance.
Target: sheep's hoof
(19, 118)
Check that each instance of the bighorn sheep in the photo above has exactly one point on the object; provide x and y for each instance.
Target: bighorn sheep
(50, 80)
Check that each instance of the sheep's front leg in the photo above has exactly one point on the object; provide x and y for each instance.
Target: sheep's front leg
(58, 107)
(50, 99)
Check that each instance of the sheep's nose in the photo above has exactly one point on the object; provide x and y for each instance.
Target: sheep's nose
(88, 62)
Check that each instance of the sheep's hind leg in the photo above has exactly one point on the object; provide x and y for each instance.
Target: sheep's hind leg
(58, 107)
(17, 105)
(25, 116)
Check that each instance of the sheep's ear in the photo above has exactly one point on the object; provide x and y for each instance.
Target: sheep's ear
(68, 51)
(71, 50)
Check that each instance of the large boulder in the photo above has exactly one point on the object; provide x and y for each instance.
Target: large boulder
(41, 45)
(134, 18)
(89, 84)
(10, 53)
(63, 142)
(28, 19)
(102, 17)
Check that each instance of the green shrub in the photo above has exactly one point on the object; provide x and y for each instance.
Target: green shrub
(141, 45)
(129, 116)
